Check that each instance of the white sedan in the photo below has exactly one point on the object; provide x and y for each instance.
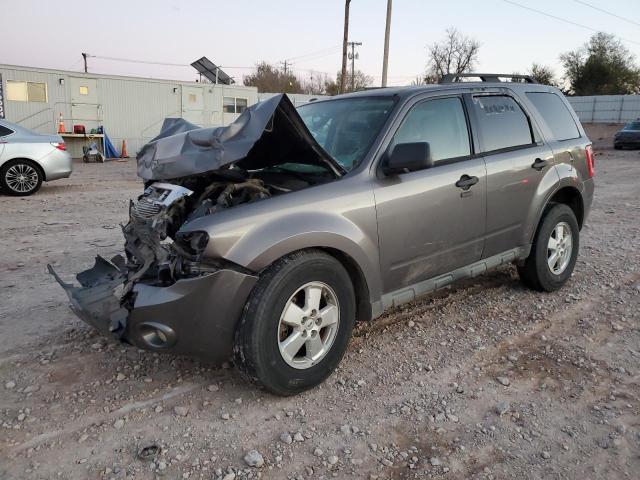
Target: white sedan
(28, 158)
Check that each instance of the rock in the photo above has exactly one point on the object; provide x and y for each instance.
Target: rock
(386, 462)
(213, 388)
(31, 389)
(118, 424)
(546, 455)
(346, 429)
(434, 461)
(158, 409)
(318, 452)
(120, 377)
(181, 411)
(286, 438)
(229, 476)
(253, 458)
(503, 381)
(502, 407)
(225, 416)
(83, 438)
(10, 385)
(332, 460)
(411, 324)
(298, 437)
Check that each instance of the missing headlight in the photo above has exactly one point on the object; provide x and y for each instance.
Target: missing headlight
(193, 243)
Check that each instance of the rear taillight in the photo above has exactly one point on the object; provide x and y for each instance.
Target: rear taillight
(59, 145)
(591, 162)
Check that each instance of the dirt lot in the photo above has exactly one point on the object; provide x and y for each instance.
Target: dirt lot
(481, 380)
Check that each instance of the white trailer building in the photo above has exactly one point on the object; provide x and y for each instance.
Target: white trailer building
(129, 108)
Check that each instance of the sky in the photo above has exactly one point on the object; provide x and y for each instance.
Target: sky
(237, 34)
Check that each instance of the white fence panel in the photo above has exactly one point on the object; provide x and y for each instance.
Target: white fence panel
(606, 108)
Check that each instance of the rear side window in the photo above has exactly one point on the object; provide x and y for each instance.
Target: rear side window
(4, 131)
(556, 115)
(442, 123)
(503, 123)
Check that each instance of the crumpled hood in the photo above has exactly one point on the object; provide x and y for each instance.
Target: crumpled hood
(266, 134)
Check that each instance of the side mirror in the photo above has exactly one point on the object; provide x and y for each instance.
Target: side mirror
(408, 157)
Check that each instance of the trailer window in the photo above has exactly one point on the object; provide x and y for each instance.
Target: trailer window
(26, 91)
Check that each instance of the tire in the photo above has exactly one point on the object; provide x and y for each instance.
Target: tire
(262, 332)
(537, 273)
(10, 175)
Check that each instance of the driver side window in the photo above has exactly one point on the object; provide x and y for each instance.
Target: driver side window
(442, 123)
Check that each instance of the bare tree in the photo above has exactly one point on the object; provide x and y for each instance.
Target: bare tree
(316, 84)
(457, 53)
(268, 78)
(360, 81)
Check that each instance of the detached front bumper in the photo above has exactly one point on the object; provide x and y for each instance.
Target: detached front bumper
(194, 316)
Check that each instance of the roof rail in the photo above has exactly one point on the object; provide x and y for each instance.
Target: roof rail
(486, 77)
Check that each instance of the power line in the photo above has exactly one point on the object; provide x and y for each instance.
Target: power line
(146, 62)
(540, 12)
(316, 52)
(586, 4)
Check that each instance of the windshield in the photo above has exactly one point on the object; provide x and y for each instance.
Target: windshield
(346, 128)
(632, 126)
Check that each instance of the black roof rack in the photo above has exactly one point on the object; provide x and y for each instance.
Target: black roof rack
(486, 77)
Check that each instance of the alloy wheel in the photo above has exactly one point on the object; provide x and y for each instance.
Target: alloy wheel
(21, 178)
(559, 248)
(308, 325)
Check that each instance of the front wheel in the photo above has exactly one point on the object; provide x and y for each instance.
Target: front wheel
(297, 323)
(554, 251)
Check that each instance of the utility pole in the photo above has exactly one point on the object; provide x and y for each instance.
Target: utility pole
(345, 38)
(385, 57)
(84, 57)
(284, 66)
(353, 55)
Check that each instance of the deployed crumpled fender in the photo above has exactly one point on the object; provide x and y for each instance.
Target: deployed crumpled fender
(266, 134)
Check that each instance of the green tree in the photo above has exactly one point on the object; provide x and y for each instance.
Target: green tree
(603, 66)
(268, 78)
(543, 74)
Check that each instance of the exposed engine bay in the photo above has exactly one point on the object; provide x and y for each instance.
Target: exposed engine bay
(157, 254)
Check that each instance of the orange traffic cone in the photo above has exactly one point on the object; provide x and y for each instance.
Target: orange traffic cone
(60, 124)
(123, 152)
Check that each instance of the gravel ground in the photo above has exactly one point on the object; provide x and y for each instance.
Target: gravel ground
(484, 379)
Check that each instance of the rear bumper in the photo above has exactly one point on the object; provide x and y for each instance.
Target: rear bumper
(57, 164)
(195, 316)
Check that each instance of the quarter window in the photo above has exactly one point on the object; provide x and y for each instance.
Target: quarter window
(442, 123)
(555, 114)
(503, 123)
(4, 131)
(26, 91)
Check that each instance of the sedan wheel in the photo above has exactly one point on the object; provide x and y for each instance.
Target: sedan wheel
(20, 178)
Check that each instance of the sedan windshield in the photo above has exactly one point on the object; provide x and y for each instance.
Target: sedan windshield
(347, 127)
(632, 126)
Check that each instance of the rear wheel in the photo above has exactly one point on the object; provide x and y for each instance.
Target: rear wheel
(297, 323)
(554, 251)
(20, 177)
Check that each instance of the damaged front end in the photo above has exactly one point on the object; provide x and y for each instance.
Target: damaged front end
(164, 293)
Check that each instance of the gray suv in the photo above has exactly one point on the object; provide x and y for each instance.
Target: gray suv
(266, 240)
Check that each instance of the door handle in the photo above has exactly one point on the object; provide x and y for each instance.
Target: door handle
(539, 164)
(466, 182)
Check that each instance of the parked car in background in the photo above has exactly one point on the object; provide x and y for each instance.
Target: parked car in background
(267, 239)
(28, 158)
(628, 137)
